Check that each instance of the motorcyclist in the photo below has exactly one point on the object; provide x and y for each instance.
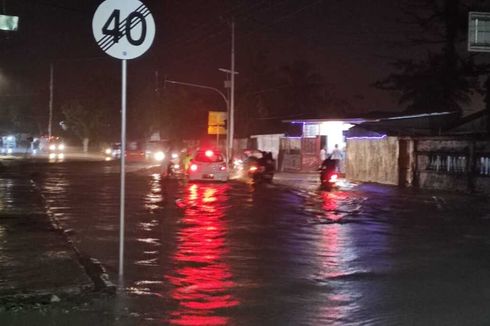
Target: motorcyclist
(267, 161)
(186, 160)
(328, 166)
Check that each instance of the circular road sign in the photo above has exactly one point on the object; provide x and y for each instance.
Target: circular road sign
(123, 29)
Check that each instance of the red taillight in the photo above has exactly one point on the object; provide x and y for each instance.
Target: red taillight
(193, 167)
(333, 178)
(253, 168)
(209, 153)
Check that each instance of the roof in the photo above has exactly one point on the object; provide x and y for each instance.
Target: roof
(413, 125)
(360, 132)
(373, 117)
(476, 123)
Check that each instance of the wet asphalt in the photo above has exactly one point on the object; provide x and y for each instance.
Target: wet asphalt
(243, 254)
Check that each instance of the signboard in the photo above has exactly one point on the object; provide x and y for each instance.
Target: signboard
(479, 32)
(9, 23)
(216, 123)
(123, 29)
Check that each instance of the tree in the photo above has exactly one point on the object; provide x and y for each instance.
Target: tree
(304, 88)
(445, 78)
(183, 114)
(143, 112)
(83, 121)
(257, 95)
(269, 94)
(428, 86)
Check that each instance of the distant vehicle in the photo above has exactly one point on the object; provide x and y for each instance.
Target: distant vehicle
(133, 153)
(8, 144)
(51, 145)
(114, 151)
(156, 150)
(208, 165)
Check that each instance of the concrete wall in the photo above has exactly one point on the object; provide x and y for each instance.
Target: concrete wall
(372, 160)
(441, 179)
(465, 154)
(443, 163)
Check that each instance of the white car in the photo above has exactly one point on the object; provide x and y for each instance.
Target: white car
(208, 165)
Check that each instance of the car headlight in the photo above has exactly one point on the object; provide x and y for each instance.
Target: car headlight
(108, 151)
(61, 147)
(159, 156)
(52, 147)
(175, 155)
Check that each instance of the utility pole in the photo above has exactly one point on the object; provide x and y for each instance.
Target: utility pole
(231, 124)
(51, 86)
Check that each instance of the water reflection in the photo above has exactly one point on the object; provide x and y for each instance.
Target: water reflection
(154, 198)
(339, 205)
(6, 198)
(336, 259)
(202, 279)
(53, 157)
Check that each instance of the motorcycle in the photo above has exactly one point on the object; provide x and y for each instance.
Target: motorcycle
(328, 175)
(261, 170)
(173, 167)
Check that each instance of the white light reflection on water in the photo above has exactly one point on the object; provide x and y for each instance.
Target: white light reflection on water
(6, 199)
(154, 198)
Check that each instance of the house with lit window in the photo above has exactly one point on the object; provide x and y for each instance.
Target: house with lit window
(302, 153)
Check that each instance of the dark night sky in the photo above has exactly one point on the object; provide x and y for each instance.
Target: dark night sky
(350, 42)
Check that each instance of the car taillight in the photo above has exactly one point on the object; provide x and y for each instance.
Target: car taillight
(209, 153)
(193, 167)
(333, 178)
(253, 168)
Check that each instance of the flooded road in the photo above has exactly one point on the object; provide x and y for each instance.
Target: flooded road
(216, 254)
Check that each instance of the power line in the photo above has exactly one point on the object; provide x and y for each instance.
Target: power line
(249, 16)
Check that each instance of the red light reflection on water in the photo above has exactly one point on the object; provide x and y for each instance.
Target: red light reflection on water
(332, 202)
(336, 254)
(202, 279)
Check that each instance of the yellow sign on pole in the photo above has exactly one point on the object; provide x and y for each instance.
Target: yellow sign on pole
(216, 123)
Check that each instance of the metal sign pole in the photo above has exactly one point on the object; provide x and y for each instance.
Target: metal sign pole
(124, 30)
(123, 168)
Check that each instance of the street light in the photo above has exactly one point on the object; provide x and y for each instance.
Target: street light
(227, 102)
(199, 86)
(230, 102)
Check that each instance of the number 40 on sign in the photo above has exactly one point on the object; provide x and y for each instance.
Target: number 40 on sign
(123, 29)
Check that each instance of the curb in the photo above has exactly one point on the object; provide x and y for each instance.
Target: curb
(94, 269)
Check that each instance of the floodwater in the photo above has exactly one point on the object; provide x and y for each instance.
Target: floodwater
(234, 253)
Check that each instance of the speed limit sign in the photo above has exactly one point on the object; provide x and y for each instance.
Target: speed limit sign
(124, 29)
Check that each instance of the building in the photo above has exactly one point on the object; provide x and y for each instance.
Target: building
(302, 153)
(433, 150)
